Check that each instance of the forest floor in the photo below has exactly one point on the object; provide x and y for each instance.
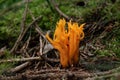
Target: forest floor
(26, 54)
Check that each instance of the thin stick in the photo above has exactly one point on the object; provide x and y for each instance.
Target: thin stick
(37, 28)
(29, 59)
(23, 50)
(22, 29)
(21, 60)
(59, 11)
(41, 46)
(22, 34)
(104, 76)
(20, 67)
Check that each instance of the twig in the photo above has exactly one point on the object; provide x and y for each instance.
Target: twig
(59, 11)
(37, 28)
(24, 48)
(49, 59)
(104, 76)
(20, 67)
(109, 72)
(21, 60)
(49, 73)
(22, 35)
(100, 75)
(41, 46)
(22, 30)
(29, 59)
(61, 73)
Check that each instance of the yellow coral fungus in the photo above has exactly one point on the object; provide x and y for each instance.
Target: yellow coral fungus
(67, 42)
